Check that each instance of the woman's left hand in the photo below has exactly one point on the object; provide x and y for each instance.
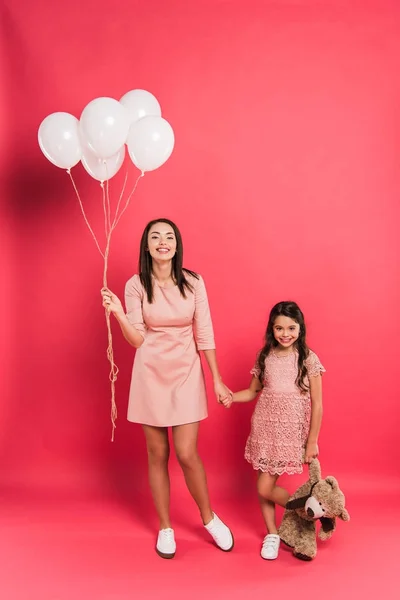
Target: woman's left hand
(311, 452)
(221, 391)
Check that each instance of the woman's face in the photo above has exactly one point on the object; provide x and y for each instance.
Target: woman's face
(161, 242)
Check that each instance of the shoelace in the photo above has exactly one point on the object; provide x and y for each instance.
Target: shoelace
(216, 531)
(270, 542)
(168, 535)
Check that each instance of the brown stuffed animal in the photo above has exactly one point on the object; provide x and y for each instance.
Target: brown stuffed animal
(317, 499)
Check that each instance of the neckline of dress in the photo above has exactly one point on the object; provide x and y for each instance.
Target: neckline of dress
(163, 287)
(283, 355)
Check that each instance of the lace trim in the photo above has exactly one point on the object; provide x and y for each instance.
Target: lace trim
(275, 467)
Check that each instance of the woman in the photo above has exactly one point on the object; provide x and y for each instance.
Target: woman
(168, 321)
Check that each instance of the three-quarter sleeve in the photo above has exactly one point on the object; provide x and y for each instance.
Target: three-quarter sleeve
(203, 327)
(133, 304)
(313, 365)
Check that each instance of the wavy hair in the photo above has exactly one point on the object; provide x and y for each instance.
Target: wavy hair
(291, 310)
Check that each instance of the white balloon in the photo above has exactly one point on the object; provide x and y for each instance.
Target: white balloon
(139, 104)
(102, 169)
(150, 143)
(104, 125)
(58, 138)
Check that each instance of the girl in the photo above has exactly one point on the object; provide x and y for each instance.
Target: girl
(168, 321)
(287, 417)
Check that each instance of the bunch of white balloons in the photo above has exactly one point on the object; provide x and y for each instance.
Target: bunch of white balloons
(98, 138)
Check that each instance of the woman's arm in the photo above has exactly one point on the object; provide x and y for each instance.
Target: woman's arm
(221, 391)
(113, 304)
(204, 333)
(316, 417)
(130, 333)
(211, 358)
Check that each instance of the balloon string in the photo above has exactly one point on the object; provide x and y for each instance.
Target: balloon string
(84, 214)
(113, 375)
(108, 199)
(106, 229)
(118, 217)
(120, 198)
(110, 351)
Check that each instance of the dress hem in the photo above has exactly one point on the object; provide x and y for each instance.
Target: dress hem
(169, 424)
(292, 471)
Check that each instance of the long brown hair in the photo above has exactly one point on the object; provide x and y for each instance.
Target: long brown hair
(291, 310)
(178, 273)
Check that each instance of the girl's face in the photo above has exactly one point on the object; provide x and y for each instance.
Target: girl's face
(161, 242)
(286, 331)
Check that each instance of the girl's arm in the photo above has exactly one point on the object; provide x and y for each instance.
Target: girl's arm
(316, 417)
(248, 395)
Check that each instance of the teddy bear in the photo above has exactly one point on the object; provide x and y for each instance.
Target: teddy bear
(317, 499)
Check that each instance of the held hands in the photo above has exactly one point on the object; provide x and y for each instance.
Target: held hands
(312, 451)
(227, 402)
(224, 394)
(111, 302)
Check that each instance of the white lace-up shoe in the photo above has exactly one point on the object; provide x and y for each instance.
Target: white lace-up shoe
(270, 547)
(166, 546)
(220, 533)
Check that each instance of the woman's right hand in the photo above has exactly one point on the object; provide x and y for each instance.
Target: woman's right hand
(111, 302)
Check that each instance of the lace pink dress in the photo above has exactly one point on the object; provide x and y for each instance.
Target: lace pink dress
(281, 420)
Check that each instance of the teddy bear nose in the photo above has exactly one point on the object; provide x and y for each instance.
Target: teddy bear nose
(310, 512)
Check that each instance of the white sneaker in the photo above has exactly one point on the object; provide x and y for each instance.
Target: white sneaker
(220, 533)
(166, 546)
(270, 547)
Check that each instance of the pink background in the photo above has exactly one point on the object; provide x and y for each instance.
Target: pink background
(284, 182)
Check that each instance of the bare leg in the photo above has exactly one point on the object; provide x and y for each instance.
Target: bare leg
(270, 494)
(185, 441)
(158, 456)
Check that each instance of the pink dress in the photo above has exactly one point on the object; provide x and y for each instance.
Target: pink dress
(167, 386)
(281, 420)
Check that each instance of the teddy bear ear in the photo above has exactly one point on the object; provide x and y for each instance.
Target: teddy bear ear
(332, 482)
(344, 515)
